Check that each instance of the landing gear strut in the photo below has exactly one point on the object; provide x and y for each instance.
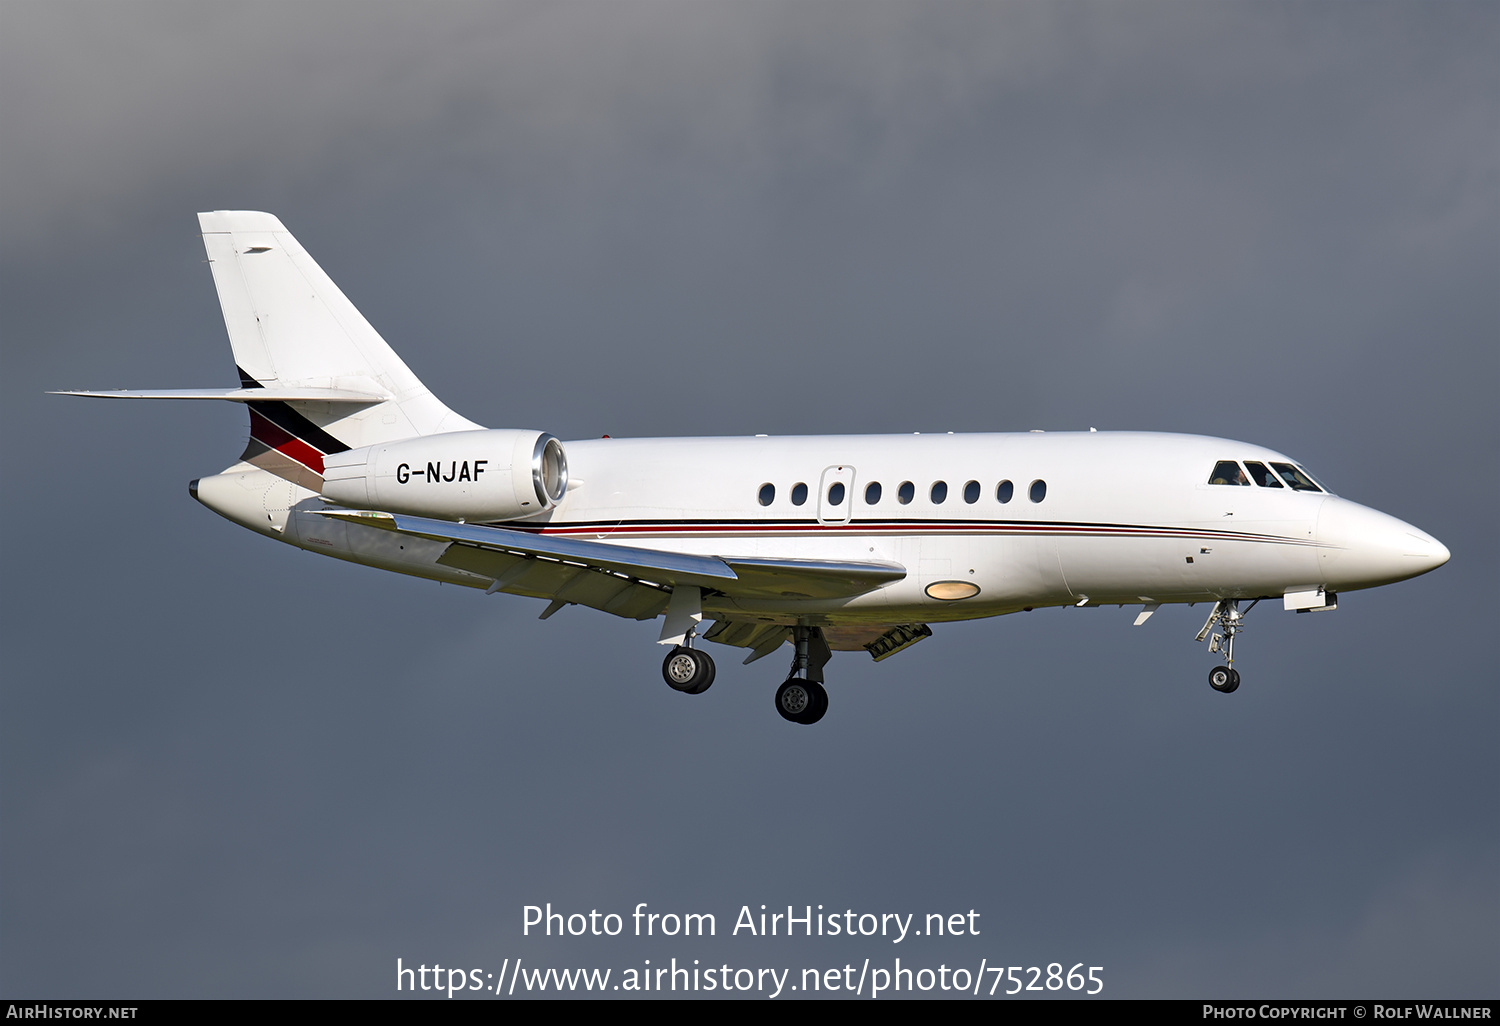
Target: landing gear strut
(802, 699)
(688, 670)
(1227, 617)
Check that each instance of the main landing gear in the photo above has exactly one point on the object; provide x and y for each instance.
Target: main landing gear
(802, 699)
(1227, 617)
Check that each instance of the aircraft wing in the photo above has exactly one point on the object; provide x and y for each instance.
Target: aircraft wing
(620, 579)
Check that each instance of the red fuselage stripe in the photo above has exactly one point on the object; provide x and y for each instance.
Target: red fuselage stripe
(914, 527)
(271, 436)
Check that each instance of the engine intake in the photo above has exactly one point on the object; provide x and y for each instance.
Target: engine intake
(462, 475)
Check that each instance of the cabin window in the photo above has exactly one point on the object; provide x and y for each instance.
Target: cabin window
(767, 494)
(799, 493)
(939, 492)
(836, 494)
(1005, 491)
(1295, 477)
(971, 492)
(1262, 474)
(906, 492)
(1038, 490)
(1228, 472)
(872, 493)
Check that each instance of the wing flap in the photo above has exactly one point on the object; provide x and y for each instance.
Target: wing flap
(539, 578)
(761, 638)
(803, 578)
(651, 565)
(500, 553)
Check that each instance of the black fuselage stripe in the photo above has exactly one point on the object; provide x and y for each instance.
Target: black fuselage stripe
(298, 426)
(289, 420)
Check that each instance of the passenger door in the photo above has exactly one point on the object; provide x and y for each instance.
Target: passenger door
(836, 495)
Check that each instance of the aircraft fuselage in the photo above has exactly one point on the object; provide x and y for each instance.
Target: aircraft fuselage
(1118, 517)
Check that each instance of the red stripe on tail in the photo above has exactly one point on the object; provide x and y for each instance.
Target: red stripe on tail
(273, 437)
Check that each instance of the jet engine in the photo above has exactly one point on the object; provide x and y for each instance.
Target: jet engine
(461, 475)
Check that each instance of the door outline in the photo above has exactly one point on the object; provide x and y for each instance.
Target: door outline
(841, 474)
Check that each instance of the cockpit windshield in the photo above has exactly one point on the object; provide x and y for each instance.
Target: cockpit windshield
(1262, 474)
(1296, 478)
(1228, 472)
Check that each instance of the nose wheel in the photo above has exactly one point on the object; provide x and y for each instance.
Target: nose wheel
(688, 670)
(1223, 679)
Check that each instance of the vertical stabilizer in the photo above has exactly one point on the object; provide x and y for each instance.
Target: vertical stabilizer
(290, 327)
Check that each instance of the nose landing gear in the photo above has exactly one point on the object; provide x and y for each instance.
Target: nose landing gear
(1226, 616)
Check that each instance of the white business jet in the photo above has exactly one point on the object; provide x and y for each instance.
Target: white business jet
(829, 542)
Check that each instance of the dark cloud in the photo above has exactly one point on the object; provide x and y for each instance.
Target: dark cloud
(227, 768)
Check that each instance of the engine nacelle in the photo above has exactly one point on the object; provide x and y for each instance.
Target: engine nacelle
(461, 475)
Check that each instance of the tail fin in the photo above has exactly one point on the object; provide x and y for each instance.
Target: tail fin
(291, 328)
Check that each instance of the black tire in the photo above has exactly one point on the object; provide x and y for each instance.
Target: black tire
(710, 672)
(685, 669)
(819, 706)
(1223, 680)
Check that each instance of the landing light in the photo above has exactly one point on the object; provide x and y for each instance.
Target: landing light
(952, 591)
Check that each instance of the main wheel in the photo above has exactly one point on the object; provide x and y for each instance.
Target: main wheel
(801, 701)
(1223, 679)
(688, 670)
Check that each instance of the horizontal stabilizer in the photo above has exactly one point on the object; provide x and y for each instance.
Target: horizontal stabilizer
(241, 395)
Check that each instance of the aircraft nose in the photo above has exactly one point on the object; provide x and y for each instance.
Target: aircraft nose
(1359, 547)
(1427, 549)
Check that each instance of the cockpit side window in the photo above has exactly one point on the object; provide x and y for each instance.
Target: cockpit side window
(1294, 477)
(1228, 472)
(1262, 475)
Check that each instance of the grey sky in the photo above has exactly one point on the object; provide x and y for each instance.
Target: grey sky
(227, 768)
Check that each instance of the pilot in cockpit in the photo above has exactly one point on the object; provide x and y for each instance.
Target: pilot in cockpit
(1228, 472)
